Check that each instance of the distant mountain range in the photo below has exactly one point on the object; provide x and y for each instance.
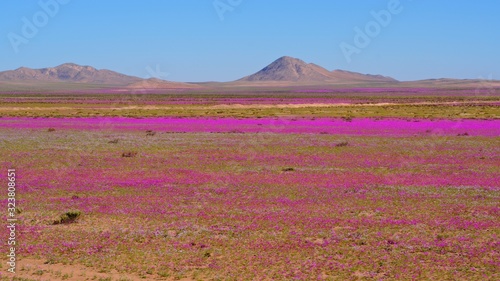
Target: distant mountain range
(285, 71)
(68, 72)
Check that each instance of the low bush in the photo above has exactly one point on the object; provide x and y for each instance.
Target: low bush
(68, 217)
(129, 154)
(342, 144)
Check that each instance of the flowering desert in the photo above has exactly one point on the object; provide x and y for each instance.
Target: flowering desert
(233, 140)
(233, 190)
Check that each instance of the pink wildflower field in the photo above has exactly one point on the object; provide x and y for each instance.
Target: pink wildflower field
(238, 140)
(257, 198)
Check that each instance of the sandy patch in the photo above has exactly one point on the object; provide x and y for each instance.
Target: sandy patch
(34, 269)
(239, 106)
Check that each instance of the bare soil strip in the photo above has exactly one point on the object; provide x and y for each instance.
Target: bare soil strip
(242, 106)
(33, 269)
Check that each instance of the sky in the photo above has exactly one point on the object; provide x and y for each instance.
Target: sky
(224, 40)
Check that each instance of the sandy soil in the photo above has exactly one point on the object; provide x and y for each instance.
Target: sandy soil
(34, 269)
(242, 106)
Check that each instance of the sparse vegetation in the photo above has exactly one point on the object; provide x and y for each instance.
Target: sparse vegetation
(342, 144)
(68, 217)
(301, 192)
(129, 154)
(38, 272)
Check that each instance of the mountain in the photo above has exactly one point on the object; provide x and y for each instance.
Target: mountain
(288, 69)
(68, 72)
(154, 83)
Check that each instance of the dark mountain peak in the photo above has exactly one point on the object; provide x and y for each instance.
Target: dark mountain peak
(289, 60)
(285, 62)
(289, 69)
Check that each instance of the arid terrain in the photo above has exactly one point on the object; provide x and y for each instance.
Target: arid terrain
(292, 173)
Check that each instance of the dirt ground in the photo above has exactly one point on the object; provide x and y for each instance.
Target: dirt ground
(39, 270)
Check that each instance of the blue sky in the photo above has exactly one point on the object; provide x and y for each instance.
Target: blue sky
(192, 41)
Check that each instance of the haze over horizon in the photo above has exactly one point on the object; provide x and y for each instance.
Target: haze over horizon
(192, 41)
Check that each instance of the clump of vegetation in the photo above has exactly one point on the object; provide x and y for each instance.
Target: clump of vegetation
(129, 154)
(150, 133)
(342, 144)
(463, 135)
(39, 272)
(51, 130)
(68, 217)
(289, 169)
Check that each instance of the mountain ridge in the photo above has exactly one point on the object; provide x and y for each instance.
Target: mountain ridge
(68, 72)
(285, 71)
